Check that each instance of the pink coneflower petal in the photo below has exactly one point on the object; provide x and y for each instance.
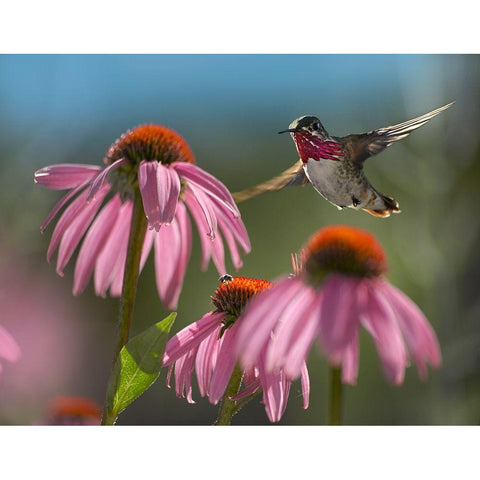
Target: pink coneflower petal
(339, 312)
(59, 205)
(305, 334)
(208, 183)
(206, 360)
(418, 333)
(291, 322)
(183, 375)
(147, 182)
(350, 362)
(191, 336)
(305, 381)
(261, 316)
(225, 364)
(251, 384)
(77, 228)
(218, 254)
(9, 349)
(94, 242)
(207, 208)
(107, 259)
(65, 175)
(147, 246)
(168, 185)
(202, 227)
(100, 180)
(232, 244)
(236, 227)
(379, 319)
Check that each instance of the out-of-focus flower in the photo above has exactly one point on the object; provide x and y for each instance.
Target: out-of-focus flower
(340, 288)
(206, 346)
(9, 349)
(159, 162)
(72, 411)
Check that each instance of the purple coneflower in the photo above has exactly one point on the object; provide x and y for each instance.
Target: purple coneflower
(340, 288)
(206, 346)
(9, 349)
(158, 162)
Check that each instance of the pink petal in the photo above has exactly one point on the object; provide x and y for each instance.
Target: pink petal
(60, 205)
(260, 317)
(236, 227)
(183, 375)
(147, 246)
(147, 182)
(191, 336)
(65, 175)
(168, 186)
(379, 320)
(100, 180)
(208, 183)
(207, 208)
(9, 349)
(414, 325)
(340, 313)
(350, 362)
(94, 242)
(206, 359)
(224, 366)
(114, 246)
(77, 228)
(305, 379)
(291, 322)
(167, 253)
(232, 244)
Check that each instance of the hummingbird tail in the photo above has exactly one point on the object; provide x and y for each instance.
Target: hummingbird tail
(391, 206)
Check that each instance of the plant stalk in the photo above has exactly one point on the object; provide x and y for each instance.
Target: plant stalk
(335, 404)
(228, 407)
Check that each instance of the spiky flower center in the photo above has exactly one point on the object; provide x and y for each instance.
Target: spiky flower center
(150, 142)
(232, 295)
(343, 249)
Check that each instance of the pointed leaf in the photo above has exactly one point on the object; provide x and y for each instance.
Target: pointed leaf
(137, 366)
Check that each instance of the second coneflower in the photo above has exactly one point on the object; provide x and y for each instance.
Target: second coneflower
(206, 346)
(156, 162)
(339, 288)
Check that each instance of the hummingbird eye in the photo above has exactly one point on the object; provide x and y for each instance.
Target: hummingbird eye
(316, 126)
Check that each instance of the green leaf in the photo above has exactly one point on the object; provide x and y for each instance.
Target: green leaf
(137, 367)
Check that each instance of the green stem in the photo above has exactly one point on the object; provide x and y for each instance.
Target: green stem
(335, 405)
(228, 407)
(138, 228)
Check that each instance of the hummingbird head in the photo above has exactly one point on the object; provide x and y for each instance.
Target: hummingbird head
(307, 124)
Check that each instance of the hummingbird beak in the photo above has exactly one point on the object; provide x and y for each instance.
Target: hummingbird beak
(291, 130)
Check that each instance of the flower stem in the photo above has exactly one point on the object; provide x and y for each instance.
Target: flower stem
(138, 228)
(228, 407)
(335, 404)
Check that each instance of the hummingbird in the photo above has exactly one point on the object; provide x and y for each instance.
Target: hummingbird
(334, 165)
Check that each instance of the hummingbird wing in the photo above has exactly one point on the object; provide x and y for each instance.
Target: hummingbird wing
(365, 145)
(292, 176)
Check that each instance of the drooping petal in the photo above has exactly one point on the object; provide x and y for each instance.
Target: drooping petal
(379, 320)
(94, 242)
(251, 382)
(232, 244)
(167, 253)
(60, 204)
(418, 332)
(65, 175)
(147, 182)
(115, 244)
(339, 314)
(305, 380)
(350, 362)
(97, 184)
(206, 359)
(191, 336)
(147, 246)
(236, 227)
(260, 317)
(77, 228)
(208, 183)
(225, 364)
(207, 208)
(291, 323)
(168, 186)
(183, 375)
(9, 349)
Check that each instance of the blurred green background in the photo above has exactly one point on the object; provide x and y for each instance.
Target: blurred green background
(58, 109)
